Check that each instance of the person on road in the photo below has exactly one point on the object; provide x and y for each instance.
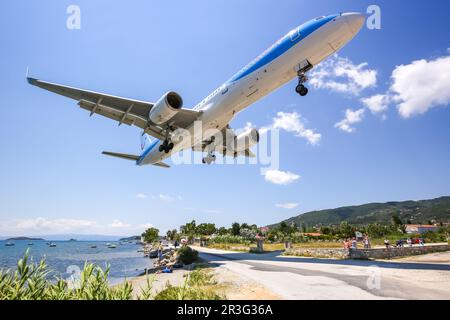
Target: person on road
(386, 243)
(409, 242)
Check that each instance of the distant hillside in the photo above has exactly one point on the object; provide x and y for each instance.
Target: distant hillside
(73, 236)
(23, 238)
(132, 238)
(415, 211)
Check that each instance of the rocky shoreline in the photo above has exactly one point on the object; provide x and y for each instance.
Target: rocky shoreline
(169, 259)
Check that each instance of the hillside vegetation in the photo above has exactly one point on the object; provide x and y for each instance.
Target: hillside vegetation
(422, 211)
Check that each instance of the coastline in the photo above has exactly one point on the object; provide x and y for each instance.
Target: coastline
(229, 284)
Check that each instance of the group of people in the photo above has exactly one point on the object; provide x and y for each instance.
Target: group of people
(352, 243)
(400, 243)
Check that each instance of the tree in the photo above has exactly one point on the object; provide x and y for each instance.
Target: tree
(172, 234)
(206, 229)
(222, 231)
(346, 230)
(235, 228)
(396, 221)
(189, 228)
(150, 235)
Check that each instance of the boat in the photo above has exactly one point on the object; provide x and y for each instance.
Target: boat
(9, 244)
(112, 246)
(30, 243)
(52, 244)
(93, 246)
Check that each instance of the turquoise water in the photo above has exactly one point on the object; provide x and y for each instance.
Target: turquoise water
(124, 261)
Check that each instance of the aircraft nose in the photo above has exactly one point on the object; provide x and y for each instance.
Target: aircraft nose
(354, 20)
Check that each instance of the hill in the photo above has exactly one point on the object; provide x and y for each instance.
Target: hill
(23, 238)
(408, 211)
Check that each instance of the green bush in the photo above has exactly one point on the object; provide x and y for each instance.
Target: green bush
(230, 239)
(33, 282)
(199, 285)
(187, 255)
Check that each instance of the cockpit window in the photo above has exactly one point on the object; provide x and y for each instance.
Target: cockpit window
(320, 18)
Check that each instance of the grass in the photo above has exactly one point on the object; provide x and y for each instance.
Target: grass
(33, 282)
(270, 247)
(198, 285)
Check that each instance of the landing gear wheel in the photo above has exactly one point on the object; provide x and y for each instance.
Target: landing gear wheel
(166, 146)
(303, 91)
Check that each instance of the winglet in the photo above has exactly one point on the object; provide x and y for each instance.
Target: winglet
(29, 79)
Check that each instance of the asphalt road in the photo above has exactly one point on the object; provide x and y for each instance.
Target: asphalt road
(424, 277)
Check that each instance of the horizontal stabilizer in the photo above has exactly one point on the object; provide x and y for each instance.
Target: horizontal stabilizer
(121, 155)
(161, 164)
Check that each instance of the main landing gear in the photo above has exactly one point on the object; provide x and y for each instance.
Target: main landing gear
(301, 89)
(303, 67)
(210, 158)
(166, 146)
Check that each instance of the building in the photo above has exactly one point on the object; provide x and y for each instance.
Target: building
(420, 228)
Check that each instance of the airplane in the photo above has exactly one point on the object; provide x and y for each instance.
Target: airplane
(292, 56)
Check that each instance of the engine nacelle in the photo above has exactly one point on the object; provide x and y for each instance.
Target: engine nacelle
(246, 140)
(166, 108)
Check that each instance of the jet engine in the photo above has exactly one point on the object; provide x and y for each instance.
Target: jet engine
(246, 140)
(166, 108)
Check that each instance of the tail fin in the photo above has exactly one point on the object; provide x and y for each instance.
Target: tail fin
(145, 141)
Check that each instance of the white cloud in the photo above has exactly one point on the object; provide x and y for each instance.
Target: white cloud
(289, 205)
(378, 103)
(342, 75)
(141, 196)
(421, 85)
(292, 122)
(280, 177)
(351, 117)
(119, 224)
(44, 225)
(165, 197)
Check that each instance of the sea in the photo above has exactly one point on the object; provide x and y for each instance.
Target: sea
(68, 257)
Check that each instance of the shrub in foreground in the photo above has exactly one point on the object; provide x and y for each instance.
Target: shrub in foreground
(34, 282)
(187, 255)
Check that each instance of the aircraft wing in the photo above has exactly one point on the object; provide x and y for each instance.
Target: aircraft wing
(122, 110)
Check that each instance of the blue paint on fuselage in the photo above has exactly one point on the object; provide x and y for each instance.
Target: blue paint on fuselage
(146, 152)
(281, 46)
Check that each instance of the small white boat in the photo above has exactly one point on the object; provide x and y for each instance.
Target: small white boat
(30, 243)
(52, 244)
(9, 244)
(112, 246)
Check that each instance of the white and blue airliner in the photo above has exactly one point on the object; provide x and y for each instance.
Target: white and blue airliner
(292, 56)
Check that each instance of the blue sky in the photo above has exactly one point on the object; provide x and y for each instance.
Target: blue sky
(54, 178)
